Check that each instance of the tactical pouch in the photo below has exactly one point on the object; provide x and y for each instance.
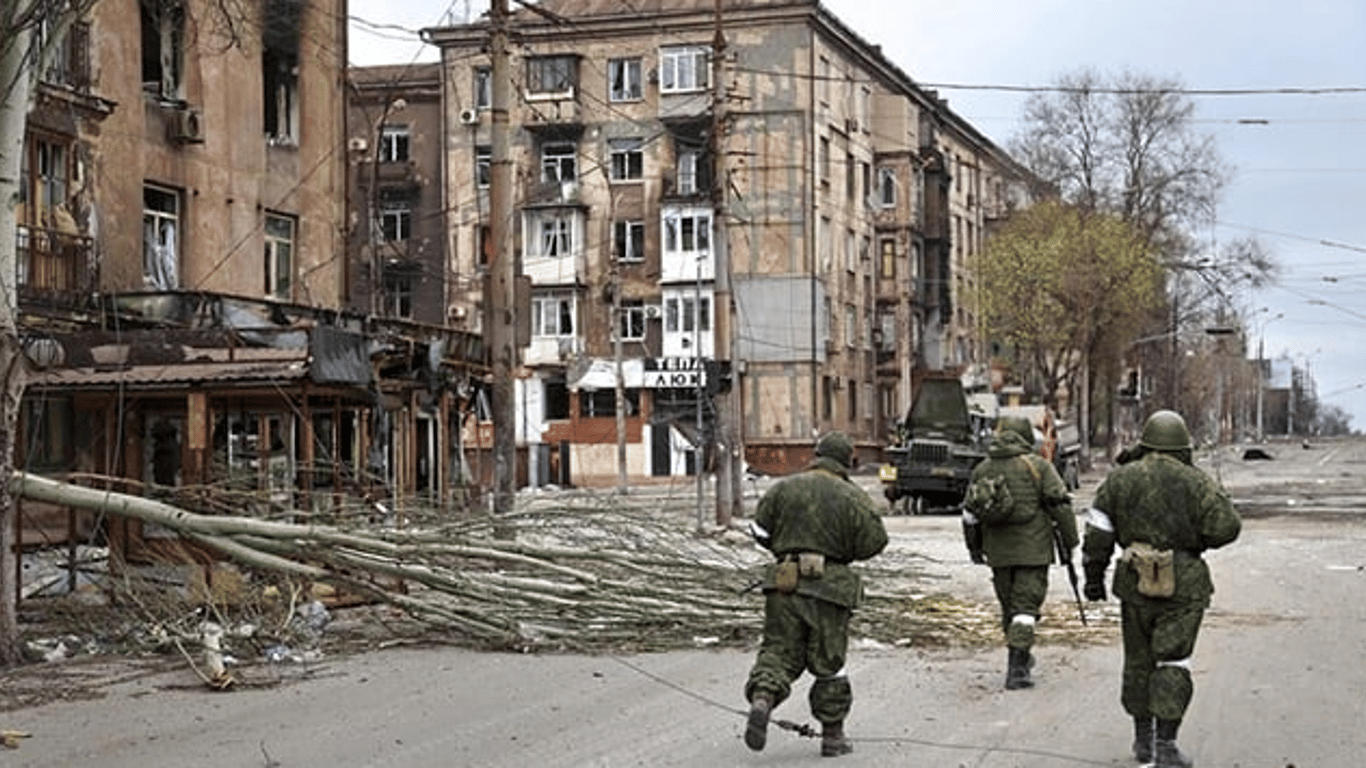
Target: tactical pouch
(1156, 569)
(785, 576)
(811, 564)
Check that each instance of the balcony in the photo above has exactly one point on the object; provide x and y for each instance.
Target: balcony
(54, 264)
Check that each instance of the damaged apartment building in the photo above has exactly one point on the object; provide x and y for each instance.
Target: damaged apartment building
(185, 295)
(739, 197)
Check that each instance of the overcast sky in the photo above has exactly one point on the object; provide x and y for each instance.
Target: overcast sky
(1301, 161)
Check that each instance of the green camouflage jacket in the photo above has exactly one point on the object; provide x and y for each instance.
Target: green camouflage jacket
(1169, 504)
(1040, 498)
(821, 510)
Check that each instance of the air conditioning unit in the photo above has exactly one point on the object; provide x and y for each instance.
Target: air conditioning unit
(458, 313)
(187, 126)
(469, 116)
(653, 311)
(357, 144)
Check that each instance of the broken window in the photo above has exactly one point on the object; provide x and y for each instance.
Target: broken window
(398, 292)
(279, 256)
(556, 397)
(623, 80)
(551, 75)
(627, 159)
(393, 144)
(280, 69)
(552, 233)
(395, 223)
(483, 88)
(160, 243)
(629, 237)
(552, 315)
(603, 402)
(559, 162)
(70, 63)
(632, 327)
(483, 166)
(163, 48)
(48, 433)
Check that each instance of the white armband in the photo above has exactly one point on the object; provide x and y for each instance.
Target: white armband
(1099, 520)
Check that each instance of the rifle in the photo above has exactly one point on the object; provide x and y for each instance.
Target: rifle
(1065, 555)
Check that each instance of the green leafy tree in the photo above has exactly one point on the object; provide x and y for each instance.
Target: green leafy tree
(1061, 284)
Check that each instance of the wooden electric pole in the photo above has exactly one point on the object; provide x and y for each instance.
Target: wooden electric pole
(728, 444)
(501, 295)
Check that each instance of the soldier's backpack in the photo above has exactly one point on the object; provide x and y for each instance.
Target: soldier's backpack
(989, 499)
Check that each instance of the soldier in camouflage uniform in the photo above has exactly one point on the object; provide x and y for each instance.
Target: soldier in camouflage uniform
(1164, 513)
(816, 523)
(1015, 507)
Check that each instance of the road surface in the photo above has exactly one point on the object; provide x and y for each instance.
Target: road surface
(1279, 672)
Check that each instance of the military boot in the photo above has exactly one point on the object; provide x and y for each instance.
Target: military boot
(1143, 739)
(1018, 663)
(756, 730)
(833, 741)
(1165, 752)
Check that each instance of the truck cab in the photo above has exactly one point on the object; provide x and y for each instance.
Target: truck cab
(938, 444)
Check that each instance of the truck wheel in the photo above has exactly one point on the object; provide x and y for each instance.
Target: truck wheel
(917, 505)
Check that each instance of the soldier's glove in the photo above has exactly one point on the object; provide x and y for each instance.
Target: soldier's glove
(1094, 591)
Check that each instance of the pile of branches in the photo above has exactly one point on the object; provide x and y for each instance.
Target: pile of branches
(564, 571)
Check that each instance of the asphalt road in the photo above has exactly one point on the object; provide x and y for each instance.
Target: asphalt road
(1279, 672)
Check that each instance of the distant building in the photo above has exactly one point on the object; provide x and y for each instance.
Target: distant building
(821, 266)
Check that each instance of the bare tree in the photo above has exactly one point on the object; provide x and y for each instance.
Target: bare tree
(1127, 146)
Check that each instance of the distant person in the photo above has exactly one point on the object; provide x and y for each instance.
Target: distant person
(1163, 512)
(816, 523)
(1016, 510)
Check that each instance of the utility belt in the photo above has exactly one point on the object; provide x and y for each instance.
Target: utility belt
(1155, 568)
(794, 566)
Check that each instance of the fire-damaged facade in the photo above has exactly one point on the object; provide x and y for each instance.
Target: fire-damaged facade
(787, 222)
(186, 301)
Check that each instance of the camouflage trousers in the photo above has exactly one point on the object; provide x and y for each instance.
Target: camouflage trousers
(1159, 637)
(804, 634)
(1020, 589)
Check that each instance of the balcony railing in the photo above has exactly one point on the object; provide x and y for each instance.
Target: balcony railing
(51, 262)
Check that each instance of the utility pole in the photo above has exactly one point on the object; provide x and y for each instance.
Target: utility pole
(729, 445)
(618, 319)
(501, 326)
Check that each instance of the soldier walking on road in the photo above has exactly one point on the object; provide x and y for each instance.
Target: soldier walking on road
(1015, 506)
(1163, 512)
(816, 523)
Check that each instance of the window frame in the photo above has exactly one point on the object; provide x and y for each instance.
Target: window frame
(628, 240)
(631, 323)
(401, 216)
(562, 240)
(552, 75)
(278, 267)
(159, 219)
(554, 165)
(551, 311)
(684, 68)
(395, 144)
(625, 79)
(626, 159)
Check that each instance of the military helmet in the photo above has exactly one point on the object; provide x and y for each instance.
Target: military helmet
(1165, 431)
(837, 446)
(1017, 424)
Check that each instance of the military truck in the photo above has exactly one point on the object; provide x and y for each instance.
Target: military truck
(939, 442)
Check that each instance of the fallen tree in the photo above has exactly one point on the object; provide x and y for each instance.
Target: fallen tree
(584, 572)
